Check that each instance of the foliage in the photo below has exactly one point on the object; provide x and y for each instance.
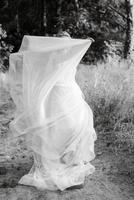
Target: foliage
(103, 20)
(5, 50)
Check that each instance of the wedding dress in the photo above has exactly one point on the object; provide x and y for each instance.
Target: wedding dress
(51, 111)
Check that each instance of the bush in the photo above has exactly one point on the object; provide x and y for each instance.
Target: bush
(5, 50)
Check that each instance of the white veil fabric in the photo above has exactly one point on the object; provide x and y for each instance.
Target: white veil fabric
(51, 111)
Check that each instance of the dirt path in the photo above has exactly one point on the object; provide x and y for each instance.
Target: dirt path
(113, 179)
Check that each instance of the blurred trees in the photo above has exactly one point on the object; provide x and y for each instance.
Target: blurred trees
(104, 20)
(47, 16)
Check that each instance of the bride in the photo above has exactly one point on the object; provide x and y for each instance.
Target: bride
(51, 111)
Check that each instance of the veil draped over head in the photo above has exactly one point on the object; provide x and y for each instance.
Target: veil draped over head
(40, 63)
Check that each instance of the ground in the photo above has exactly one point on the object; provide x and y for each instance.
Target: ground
(112, 180)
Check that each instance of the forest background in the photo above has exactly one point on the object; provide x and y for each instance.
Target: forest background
(109, 23)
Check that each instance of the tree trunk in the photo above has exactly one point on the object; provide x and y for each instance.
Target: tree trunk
(129, 43)
(53, 11)
(17, 21)
(31, 16)
(39, 15)
(42, 15)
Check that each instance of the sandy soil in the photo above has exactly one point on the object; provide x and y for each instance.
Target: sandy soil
(112, 180)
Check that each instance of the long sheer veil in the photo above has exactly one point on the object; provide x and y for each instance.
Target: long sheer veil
(33, 72)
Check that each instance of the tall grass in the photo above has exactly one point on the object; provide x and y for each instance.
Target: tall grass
(109, 90)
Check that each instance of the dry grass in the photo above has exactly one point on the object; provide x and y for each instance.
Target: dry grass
(109, 90)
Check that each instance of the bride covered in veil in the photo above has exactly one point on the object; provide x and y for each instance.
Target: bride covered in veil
(51, 111)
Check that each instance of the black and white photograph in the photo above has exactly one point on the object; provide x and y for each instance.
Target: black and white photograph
(67, 100)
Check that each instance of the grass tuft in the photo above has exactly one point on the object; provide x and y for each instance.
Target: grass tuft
(109, 90)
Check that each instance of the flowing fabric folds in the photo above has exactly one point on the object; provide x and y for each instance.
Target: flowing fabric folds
(51, 111)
